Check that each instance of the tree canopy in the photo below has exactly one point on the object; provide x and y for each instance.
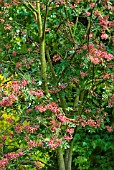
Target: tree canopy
(56, 85)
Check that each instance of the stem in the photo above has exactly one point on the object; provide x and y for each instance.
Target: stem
(76, 100)
(62, 99)
(82, 100)
(66, 158)
(61, 163)
(93, 69)
(75, 25)
(70, 156)
(51, 66)
(42, 47)
(70, 30)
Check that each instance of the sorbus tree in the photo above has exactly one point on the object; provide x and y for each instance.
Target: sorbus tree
(57, 56)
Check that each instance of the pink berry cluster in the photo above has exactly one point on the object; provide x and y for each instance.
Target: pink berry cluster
(3, 163)
(40, 108)
(18, 128)
(68, 137)
(24, 82)
(51, 106)
(111, 101)
(33, 144)
(54, 142)
(75, 80)
(62, 118)
(70, 130)
(96, 55)
(90, 122)
(69, 134)
(30, 129)
(59, 2)
(83, 74)
(56, 57)
(8, 101)
(54, 125)
(7, 27)
(15, 89)
(62, 86)
(12, 155)
(54, 90)
(38, 93)
(109, 128)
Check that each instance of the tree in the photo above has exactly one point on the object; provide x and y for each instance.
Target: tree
(58, 58)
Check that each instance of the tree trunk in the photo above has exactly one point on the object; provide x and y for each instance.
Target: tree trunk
(69, 165)
(41, 35)
(68, 157)
(61, 163)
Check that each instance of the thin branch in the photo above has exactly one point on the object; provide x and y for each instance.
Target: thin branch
(45, 19)
(71, 34)
(71, 58)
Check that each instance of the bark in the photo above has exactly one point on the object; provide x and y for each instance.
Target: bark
(66, 158)
(41, 35)
(61, 164)
(69, 165)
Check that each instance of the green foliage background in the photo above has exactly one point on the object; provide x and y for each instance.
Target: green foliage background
(93, 147)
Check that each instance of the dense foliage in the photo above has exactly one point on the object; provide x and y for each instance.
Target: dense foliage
(56, 85)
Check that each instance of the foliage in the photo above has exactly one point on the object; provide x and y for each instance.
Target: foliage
(56, 84)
